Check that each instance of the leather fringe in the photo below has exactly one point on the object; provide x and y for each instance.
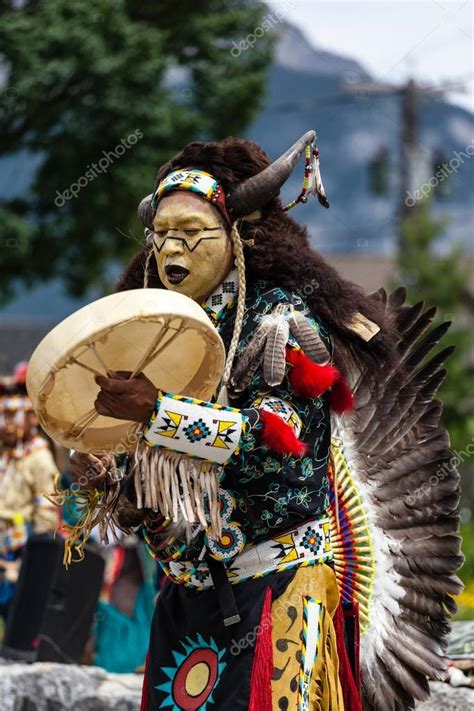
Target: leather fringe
(178, 486)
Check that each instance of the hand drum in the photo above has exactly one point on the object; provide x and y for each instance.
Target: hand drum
(161, 333)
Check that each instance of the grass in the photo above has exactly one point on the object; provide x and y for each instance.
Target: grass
(465, 600)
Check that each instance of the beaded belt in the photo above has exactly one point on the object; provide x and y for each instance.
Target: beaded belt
(306, 544)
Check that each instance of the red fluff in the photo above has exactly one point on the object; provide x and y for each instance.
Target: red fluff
(307, 378)
(311, 380)
(262, 669)
(20, 373)
(279, 436)
(341, 398)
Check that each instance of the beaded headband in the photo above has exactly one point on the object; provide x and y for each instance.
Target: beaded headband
(197, 181)
(14, 403)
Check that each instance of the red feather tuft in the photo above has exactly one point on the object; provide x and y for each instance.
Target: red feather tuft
(311, 380)
(279, 436)
(341, 398)
(307, 378)
(20, 373)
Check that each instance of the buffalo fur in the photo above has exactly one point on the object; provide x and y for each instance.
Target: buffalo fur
(279, 251)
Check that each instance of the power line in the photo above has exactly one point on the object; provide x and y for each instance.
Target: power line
(364, 91)
(342, 98)
(409, 96)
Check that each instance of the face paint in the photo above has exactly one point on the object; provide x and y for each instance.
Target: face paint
(18, 422)
(192, 249)
(12, 427)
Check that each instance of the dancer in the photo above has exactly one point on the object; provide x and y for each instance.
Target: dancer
(27, 474)
(294, 510)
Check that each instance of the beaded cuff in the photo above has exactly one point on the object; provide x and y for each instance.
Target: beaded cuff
(199, 429)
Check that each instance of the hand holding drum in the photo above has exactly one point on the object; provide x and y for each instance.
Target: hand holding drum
(91, 471)
(121, 397)
(125, 398)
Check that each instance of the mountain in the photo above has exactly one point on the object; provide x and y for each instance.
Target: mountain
(293, 51)
(311, 88)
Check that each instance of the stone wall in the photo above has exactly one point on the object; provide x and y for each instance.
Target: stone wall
(45, 686)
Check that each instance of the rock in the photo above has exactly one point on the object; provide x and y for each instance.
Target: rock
(45, 686)
(445, 697)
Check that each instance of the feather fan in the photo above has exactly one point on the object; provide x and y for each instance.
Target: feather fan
(397, 547)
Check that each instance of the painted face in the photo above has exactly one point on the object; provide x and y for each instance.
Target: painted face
(8, 429)
(192, 248)
(14, 425)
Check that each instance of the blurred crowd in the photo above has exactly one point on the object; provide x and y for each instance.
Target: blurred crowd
(32, 466)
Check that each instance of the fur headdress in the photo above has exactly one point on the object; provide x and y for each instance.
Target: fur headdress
(276, 247)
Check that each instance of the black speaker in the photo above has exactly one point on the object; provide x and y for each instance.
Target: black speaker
(51, 614)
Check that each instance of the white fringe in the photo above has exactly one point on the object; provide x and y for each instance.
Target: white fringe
(179, 487)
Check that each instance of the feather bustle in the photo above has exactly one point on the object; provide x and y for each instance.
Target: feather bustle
(402, 455)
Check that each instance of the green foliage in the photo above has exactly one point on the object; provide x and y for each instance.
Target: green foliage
(379, 172)
(444, 282)
(87, 80)
(466, 600)
(467, 571)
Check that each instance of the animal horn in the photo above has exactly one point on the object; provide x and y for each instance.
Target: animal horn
(145, 211)
(252, 193)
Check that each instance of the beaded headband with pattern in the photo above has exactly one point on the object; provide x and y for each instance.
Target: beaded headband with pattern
(252, 193)
(15, 403)
(13, 395)
(198, 181)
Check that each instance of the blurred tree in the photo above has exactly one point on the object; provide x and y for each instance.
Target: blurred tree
(443, 281)
(379, 172)
(443, 188)
(99, 94)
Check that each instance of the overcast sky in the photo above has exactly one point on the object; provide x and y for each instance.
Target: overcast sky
(431, 40)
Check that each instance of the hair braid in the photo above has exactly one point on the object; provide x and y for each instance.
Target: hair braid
(239, 316)
(146, 271)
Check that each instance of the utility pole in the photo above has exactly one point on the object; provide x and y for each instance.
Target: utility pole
(409, 154)
(409, 140)
(411, 165)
